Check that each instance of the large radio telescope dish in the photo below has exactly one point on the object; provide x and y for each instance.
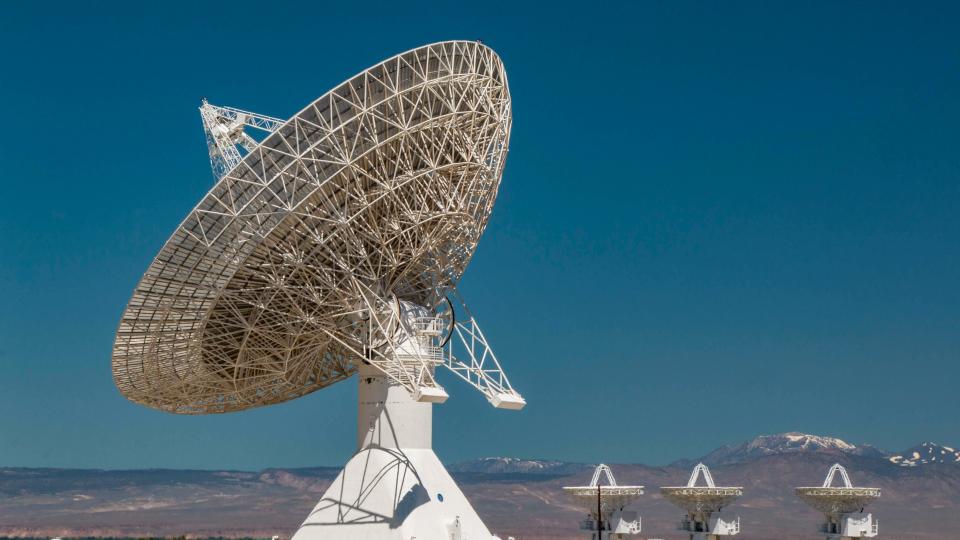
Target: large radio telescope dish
(314, 250)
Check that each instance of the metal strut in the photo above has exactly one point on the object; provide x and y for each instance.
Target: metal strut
(603, 468)
(832, 473)
(224, 128)
(479, 366)
(701, 469)
(407, 343)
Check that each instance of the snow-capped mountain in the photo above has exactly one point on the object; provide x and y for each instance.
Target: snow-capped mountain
(786, 443)
(756, 448)
(512, 465)
(925, 453)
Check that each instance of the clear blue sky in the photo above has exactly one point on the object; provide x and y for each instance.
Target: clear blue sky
(717, 220)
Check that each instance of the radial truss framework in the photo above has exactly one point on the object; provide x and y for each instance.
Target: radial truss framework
(304, 258)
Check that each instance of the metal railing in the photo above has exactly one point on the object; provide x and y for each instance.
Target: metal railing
(428, 326)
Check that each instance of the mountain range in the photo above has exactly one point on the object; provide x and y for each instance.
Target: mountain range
(925, 453)
(784, 443)
(516, 497)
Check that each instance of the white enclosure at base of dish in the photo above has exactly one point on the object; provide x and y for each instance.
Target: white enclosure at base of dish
(394, 486)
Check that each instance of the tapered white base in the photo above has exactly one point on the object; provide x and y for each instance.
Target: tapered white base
(387, 493)
(394, 487)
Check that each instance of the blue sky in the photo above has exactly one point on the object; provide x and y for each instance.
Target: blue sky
(717, 220)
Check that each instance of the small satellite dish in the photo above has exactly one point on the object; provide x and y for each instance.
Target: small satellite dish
(331, 245)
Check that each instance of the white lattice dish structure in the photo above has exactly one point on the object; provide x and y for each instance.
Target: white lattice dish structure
(333, 246)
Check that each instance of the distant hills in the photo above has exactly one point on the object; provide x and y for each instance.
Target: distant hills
(509, 465)
(758, 447)
(517, 497)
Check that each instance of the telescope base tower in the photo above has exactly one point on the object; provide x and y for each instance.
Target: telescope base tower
(712, 528)
(850, 527)
(394, 487)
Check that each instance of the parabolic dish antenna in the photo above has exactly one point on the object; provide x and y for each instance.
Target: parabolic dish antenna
(706, 498)
(331, 246)
(606, 505)
(611, 496)
(701, 503)
(845, 499)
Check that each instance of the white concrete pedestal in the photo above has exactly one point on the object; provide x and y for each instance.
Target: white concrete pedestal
(395, 486)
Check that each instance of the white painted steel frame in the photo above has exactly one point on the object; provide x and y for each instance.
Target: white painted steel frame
(224, 129)
(291, 271)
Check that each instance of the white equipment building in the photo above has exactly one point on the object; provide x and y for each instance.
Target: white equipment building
(703, 505)
(606, 506)
(842, 506)
(331, 246)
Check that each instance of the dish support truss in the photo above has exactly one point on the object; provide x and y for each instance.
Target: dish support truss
(832, 473)
(392, 325)
(408, 342)
(605, 470)
(224, 128)
(701, 470)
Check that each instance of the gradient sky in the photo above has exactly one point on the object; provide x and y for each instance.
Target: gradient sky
(717, 220)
